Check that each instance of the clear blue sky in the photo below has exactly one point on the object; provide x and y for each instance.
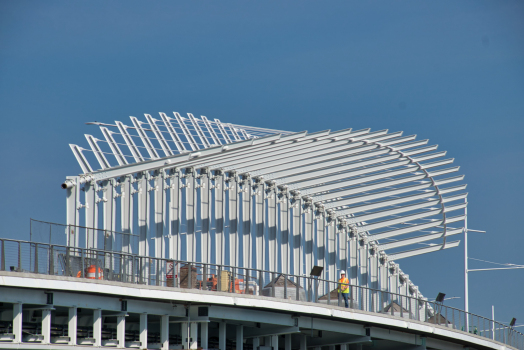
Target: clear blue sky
(450, 71)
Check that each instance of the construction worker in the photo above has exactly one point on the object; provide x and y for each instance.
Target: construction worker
(343, 288)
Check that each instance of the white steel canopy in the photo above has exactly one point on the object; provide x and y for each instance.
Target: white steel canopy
(267, 198)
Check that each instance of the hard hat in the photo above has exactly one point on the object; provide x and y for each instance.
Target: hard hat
(342, 273)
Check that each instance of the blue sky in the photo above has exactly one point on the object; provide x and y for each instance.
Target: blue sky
(450, 71)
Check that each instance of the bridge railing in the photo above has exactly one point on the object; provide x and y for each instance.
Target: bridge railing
(51, 259)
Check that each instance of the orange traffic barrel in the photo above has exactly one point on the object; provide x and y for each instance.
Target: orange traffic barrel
(91, 272)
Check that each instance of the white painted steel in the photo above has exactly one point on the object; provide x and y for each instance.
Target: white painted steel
(286, 201)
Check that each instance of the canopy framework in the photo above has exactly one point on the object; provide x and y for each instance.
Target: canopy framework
(259, 198)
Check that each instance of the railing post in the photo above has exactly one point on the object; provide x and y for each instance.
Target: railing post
(219, 278)
(132, 269)
(158, 274)
(2, 263)
(285, 286)
(204, 277)
(68, 255)
(149, 271)
(83, 266)
(36, 258)
(401, 307)
(273, 285)
(298, 288)
(51, 261)
(96, 265)
(19, 257)
(259, 282)
(246, 283)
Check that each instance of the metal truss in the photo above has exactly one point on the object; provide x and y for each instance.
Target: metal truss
(249, 197)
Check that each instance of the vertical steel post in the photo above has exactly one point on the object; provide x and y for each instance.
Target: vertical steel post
(72, 221)
(91, 214)
(205, 216)
(308, 237)
(143, 213)
(466, 293)
(126, 213)
(272, 225)
(260, 247)
(190, 215)
(284, 232)
(234, 249)
(174, 214)
(246, 222)
(219, 216)
(72, 323)
(297, 236)
(159, 217)
(109, 214)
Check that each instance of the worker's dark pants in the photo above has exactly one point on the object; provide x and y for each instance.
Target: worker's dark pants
(345, 296)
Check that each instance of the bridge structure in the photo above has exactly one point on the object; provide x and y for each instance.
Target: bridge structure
(193, 233)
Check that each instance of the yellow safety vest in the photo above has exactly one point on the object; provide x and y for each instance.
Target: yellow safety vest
(343, 285)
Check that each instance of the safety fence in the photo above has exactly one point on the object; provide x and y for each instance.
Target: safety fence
(61, 260)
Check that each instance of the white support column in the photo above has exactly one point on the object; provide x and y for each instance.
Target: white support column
(373, 276)
(46, 326)
(184, 335)
(256, 343)
(219, 217)
(143, 213)
(72, 323)
(159, 214)
(222, 335)
(342, 259)
(91, 214)
(272, 226)
(383, 278)
(205, 216)
(246, 221)
(17, 322)
(174, 214)
(234, 250)
(331, 259)
(260, 247)
(284, 232)
(240, 337)
(190, 215)
(274, 342)
(297, 235)
(193, 335)
(344, 346)
(363, 271)
(109, 214)
(126, 214)
(287, 342)
(321, 250)
(393, 280)
(204, 335)
(121, 331)
(403, 290)
(72, 204)
(97, 327)
(303, 341)
(164, 332)
(143, 331)
(308, 238)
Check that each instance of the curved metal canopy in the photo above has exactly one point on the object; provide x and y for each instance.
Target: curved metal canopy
(391, 189)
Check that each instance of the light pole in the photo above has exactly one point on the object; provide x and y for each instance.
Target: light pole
(466, 270)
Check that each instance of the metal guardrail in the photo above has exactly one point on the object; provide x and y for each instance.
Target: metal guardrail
(49, 259)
